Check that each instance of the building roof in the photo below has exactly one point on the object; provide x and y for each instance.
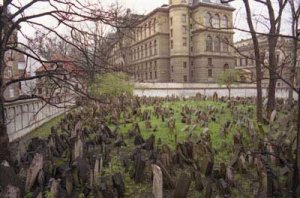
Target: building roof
(58, 62)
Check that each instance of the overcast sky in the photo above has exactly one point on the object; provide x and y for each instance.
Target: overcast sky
(146, 6)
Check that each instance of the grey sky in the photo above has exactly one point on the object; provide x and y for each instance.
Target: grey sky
(146, 6)
(239, 16)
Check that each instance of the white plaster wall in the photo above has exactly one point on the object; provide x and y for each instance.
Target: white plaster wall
(191, 89)
(24, 116)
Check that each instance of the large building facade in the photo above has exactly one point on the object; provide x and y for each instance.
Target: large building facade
(185, 41)
(245, 60)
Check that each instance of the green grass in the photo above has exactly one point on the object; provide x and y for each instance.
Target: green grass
(164, 135)
(223, 147)
(45, 130)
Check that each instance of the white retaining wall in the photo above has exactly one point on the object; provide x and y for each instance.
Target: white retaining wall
(24, 116)
(191, 89)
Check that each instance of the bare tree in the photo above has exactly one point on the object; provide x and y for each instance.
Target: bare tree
(295, 14)
(58, 17)
(257, 63)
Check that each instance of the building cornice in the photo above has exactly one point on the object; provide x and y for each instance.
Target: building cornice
(178, 6)
(153, 12)
(152, 58)
(212, 5)
(150, 37)
(201, 30)
(213, 55)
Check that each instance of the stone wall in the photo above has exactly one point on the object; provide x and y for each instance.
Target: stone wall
(191, 89)
(24, 116)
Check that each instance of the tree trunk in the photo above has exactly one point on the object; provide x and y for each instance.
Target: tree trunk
(296, 176)
(4, 141)
(229, 92)
(259, 102)
(273, 76)
(295, 20)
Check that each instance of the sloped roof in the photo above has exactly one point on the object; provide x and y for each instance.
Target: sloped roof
(66, 63)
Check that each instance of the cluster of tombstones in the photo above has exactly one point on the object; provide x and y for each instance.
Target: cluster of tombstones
(72, 159)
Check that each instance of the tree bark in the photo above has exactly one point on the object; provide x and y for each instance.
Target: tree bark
(275, 25)
(295, 20)
(4, 141)
(259, 102)
(296, 176)
(273, 75)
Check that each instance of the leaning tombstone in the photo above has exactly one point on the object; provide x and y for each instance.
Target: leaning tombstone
(182, 187)
(78, 148)
(33, 171)
(157, 190)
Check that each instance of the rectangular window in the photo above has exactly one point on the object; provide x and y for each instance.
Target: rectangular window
(184, 29)
(209, 61)
(155, 47)
(172, 68)
(171, 44)
(210, 73)
(142, 52)
(192, 49)
(185, 78)
(184, 41)
(171, 21)
(184, 65)
(241, 62)
(171, 33)
(183, 18)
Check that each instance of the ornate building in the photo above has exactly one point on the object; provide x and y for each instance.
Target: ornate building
(245, 60)
(185, 41)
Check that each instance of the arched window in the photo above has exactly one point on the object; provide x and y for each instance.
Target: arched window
(224, 21)
(217, 44)
(225, 44)
(216, 21)
(208, 20)
(226, 66)
(209, 44)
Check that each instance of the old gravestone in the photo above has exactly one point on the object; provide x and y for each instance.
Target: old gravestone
(32, 173)
(157, 182)
(182, 186)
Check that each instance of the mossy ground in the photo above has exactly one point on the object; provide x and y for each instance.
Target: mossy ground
(44, 130)
(222, 146)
